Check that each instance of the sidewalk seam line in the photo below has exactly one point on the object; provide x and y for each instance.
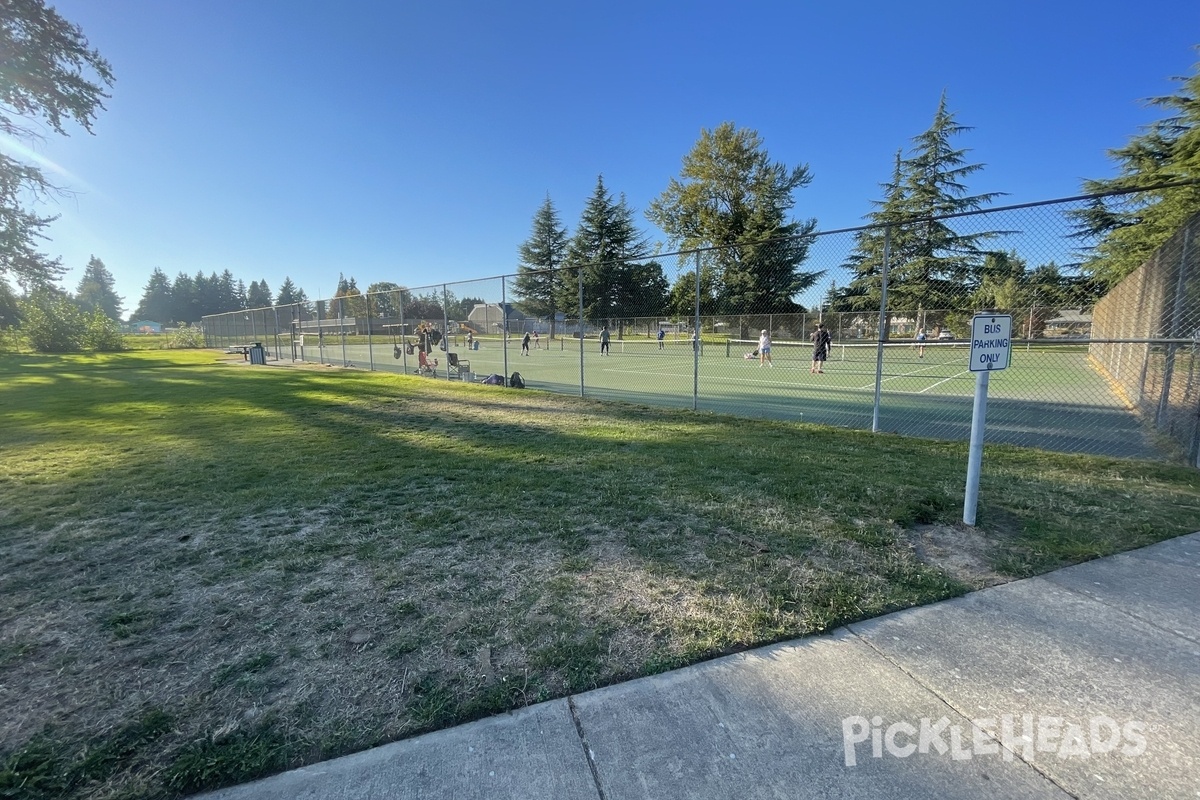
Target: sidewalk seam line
(587, 749)
(1016, 756)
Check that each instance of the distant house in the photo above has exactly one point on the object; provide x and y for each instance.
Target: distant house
(493, 317)
(1069, 322)
(145, 326)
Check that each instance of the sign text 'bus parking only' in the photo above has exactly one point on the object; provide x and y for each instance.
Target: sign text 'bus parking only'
(991, 342)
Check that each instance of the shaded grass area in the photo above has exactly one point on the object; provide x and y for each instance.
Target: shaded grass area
(217, 571)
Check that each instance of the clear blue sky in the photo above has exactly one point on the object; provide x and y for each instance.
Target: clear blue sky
(413, 141)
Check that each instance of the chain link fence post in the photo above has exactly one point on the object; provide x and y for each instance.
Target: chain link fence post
(883, 299)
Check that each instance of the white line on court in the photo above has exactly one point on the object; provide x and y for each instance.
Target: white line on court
(939, 383)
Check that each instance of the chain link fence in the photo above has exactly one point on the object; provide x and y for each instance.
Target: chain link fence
(1144, 337)
(867, 328)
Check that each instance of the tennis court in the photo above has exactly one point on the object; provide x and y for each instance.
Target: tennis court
(1034, 403)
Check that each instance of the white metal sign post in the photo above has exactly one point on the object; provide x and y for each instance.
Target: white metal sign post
(991, 350)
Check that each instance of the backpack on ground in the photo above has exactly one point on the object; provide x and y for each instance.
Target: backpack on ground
(494, 380)
(516, 381)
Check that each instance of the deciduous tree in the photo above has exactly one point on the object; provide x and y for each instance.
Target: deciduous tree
(49, 77)
(730, 196)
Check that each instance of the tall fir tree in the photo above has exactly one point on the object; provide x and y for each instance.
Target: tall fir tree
(226, 292)
(97, 290)
(931, 265)
(609, 250)
(156, 304)
(287, 293)
(538, 284)
(347, 301)
(259, 294)
(183, 299)
(866, 261)
(1131, 227)
(205, 291)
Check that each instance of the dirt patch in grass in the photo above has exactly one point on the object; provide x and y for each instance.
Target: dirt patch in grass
(967, 554)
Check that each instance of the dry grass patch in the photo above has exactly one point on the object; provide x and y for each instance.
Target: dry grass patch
(217, 572)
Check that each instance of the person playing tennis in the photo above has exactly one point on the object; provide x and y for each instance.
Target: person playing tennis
(822, 341)
(764, 349)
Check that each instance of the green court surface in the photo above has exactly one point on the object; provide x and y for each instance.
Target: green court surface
(1048, 398)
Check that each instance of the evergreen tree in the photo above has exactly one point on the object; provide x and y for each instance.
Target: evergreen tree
(931, 265)
(183, 299)
(49, 75)
(866, 261)
(606, 247)
(156, 304)
(204, 294)
(1133, 226)
(731, 197)
(227, 299)
(259, 295)
(239, 295)
(538, 283)
(287, 293)
(96, 290)
(347, 301)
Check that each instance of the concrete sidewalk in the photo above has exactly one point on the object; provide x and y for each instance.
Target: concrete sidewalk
(1087, 678)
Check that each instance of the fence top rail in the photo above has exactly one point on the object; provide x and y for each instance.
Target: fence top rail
(812, 235)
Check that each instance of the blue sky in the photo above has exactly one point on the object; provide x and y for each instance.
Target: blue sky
(413, 142)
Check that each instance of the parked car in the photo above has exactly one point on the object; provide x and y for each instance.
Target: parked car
(945, 336)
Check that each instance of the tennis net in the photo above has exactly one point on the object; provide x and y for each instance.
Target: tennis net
(929, 352)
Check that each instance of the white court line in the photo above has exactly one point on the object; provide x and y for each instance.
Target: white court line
(740, 379)
(916, 374)
(733, 378)
(703, 376)
(939, 383)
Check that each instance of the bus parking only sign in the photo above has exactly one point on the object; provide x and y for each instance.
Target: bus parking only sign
(991, 342)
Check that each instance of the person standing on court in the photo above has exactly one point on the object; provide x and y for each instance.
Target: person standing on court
(764, 349)
(661, 335)
(822, 341)
(921, 343)
(537, 341)
(525, 344)
(604, 341)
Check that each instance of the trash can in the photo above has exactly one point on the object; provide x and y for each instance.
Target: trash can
(257, 354)
(475, 345)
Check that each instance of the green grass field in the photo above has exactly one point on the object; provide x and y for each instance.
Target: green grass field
(214, 571)
(1048, 398)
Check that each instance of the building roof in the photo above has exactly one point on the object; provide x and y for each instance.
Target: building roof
(1070, 316)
